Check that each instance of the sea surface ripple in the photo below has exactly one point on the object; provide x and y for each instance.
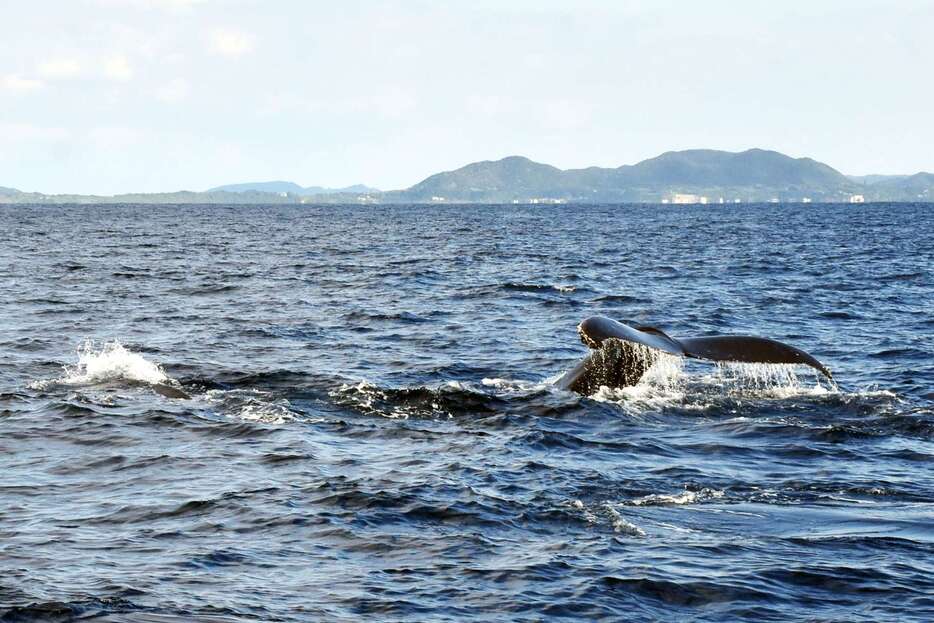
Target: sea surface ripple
(372, 433)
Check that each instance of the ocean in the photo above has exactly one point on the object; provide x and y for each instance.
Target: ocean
(373, 433)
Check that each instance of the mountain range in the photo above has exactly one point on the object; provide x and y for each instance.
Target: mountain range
(752, 175)
(291, 188)
(696, 175)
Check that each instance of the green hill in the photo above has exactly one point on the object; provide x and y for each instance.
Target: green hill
(752, 175)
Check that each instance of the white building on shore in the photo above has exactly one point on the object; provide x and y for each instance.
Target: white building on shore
(685, 198)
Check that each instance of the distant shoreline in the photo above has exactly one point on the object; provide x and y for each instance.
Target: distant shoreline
(695, 176)
(452, 204)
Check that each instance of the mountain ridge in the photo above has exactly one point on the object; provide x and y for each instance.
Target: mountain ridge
(751, 175)
(280, 186)
(686, 176)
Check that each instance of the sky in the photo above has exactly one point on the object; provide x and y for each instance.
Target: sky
(110, 96)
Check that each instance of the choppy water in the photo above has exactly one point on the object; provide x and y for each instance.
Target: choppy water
(372, 433)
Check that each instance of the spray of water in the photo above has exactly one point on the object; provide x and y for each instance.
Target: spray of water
(770, 380)
(111, 361)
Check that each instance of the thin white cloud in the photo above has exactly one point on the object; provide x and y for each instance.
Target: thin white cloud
(29, 133)
(173, 4)
(59, 68)
(115, 137)
(117, 68)
(229, 42)
(168, 5)
(173, 92)
(18, 84)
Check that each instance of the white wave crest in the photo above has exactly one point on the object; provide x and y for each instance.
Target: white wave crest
(621, 524)
(251, 406)
(687, 497)
(519, 387)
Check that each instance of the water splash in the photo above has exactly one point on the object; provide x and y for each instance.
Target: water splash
(109, 362)
(666, 383)
(771, 380)
(662, 384)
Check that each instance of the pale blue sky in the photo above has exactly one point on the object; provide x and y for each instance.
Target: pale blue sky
(109, 96)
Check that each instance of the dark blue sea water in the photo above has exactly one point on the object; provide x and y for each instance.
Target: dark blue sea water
(373, 434)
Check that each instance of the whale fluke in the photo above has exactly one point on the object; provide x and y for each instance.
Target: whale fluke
(621, 354)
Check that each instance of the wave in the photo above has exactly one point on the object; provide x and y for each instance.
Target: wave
(605, 511)
(447, 400)
(251, 405)
(44, 611)
(537, 287)
(405, 317)
(619, 298)
(522, 287)
(678, 499)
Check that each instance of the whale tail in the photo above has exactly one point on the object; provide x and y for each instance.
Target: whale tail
(621, 354)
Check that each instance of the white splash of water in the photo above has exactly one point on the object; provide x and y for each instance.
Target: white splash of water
(665, 383)
(768, 380)
(666, 373)
(661, 385)
(111, 361)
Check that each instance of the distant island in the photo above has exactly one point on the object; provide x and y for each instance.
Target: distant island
(693, 176)
(292, 188)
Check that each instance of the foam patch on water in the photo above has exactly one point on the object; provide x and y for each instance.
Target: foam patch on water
(251, 406)
(512, 386)
(400, 403)
(608, 513)
(368, 398)
(621, 524)
(687, 497)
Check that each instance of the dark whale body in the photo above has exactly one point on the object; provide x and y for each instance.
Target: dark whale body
(621, 354)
